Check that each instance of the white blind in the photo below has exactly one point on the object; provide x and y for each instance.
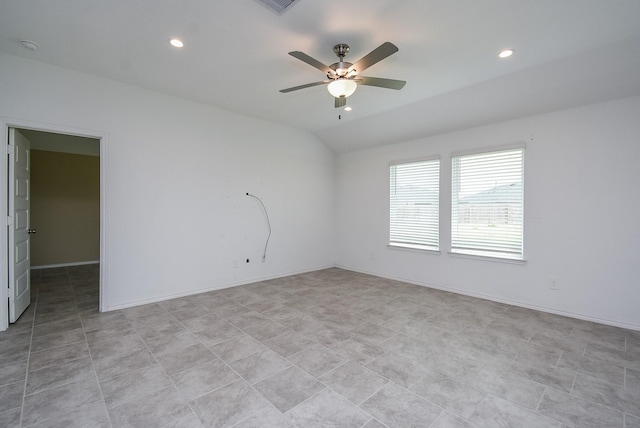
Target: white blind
(487, 204)
(414, 204)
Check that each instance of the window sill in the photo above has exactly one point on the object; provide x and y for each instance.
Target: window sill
(487, 258)
(413, 248)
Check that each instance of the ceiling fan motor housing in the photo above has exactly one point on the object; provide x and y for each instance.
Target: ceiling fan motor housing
(341, 68)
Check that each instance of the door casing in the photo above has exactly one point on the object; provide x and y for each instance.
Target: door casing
(5, 124)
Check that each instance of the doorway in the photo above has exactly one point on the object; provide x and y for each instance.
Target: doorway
(68, 207)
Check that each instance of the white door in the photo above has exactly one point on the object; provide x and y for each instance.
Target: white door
(19, 200)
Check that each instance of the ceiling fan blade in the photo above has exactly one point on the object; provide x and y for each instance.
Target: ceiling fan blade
(376, 55)
(308, 85)
(311, 61)
(380, 82)
(340, 102)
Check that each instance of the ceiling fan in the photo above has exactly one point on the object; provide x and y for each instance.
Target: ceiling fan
(344, 77)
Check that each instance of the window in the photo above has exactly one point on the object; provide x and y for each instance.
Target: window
(487, 204)
(414, 209)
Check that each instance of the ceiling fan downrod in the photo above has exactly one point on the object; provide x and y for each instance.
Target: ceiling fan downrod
(340, 68)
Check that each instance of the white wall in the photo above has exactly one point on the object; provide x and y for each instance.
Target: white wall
(176, 214)
(582, 213)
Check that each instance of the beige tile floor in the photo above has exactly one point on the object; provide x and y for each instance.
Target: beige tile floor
(330, 348)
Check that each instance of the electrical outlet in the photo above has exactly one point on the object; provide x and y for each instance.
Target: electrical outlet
(553, 284)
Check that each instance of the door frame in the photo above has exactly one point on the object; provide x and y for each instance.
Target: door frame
(5, 124)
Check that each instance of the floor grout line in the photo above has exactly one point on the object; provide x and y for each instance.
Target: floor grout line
(319, 299)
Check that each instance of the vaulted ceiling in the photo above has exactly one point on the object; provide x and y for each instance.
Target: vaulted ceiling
(568, 53)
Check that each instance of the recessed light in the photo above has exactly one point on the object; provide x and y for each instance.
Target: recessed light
(28, 44)
(176, 43)
(506, 53)
(347, 108)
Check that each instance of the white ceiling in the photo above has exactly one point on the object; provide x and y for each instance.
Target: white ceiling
(568, 53)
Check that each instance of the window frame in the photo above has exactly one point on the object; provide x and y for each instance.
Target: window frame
(418, 247)
(488, 254)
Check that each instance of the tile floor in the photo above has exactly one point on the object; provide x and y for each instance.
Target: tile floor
(330, 348)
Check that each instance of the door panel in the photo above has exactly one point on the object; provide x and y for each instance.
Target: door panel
(19, 204)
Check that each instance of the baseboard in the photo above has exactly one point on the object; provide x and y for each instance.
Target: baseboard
(92, 262)
(501, 300)
(213, 288)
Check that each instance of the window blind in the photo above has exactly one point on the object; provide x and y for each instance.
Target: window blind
(487, 204)
(414, 204)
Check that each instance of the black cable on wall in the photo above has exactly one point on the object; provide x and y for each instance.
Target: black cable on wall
(266, 244)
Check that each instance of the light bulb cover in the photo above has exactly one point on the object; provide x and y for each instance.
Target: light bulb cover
(506, 53)
(342, 87)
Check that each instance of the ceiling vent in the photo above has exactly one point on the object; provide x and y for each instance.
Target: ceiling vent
(278, 6)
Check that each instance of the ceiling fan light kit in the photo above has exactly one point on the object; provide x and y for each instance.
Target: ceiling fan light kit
(343, 77)
(342, 88)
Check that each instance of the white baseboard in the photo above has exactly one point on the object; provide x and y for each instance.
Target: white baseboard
(213, 288)
(92, 262)
(505, 301)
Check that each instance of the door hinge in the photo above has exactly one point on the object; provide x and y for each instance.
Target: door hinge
(11, 149)
(9, 220)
